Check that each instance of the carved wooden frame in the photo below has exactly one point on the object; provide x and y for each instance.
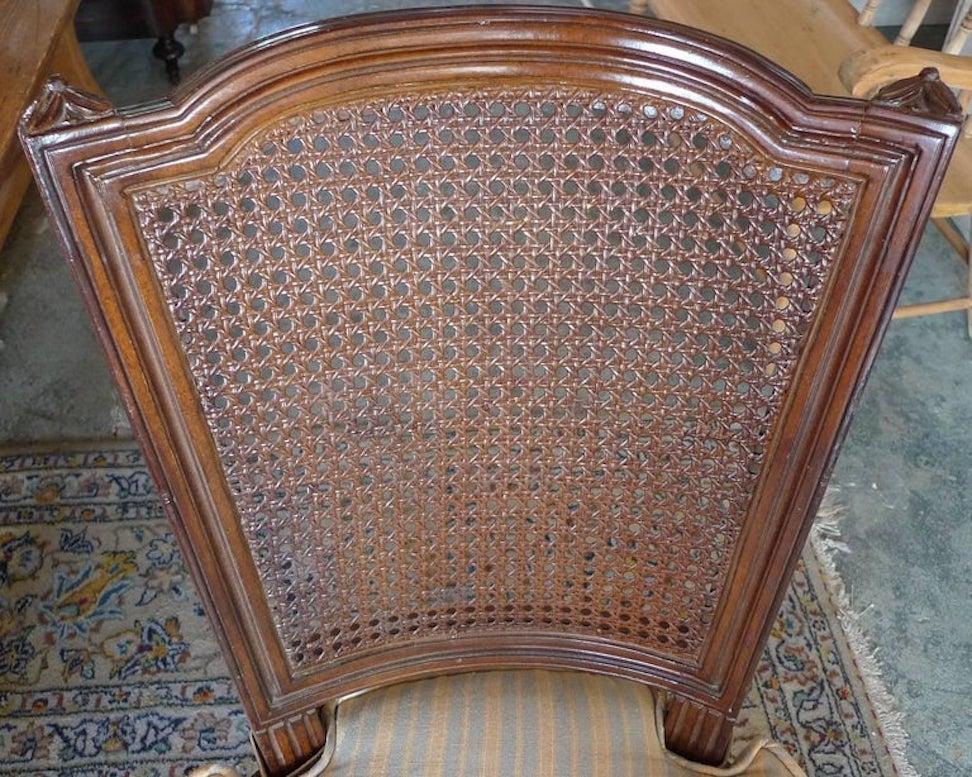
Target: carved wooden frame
(85, 155)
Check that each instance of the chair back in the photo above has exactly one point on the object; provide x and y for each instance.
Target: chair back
(495, 337)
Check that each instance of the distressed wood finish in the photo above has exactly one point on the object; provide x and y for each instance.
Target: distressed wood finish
(868, 70)
(559, 218)
(36, 40)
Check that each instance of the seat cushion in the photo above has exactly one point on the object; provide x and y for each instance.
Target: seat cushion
(526, 723)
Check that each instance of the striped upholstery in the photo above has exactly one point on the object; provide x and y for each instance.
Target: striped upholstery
(548, 724)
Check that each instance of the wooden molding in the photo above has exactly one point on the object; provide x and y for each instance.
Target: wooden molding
(870, 70)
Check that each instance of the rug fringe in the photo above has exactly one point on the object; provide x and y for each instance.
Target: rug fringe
(825, 539)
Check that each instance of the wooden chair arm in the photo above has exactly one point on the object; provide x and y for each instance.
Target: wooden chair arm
(866, 71)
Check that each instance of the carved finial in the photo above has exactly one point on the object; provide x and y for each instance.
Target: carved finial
(60, 105)
(924, 93)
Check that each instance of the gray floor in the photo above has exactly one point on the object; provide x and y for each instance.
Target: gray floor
(904, 473)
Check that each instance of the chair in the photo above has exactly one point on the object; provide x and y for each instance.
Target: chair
(491, 338)
(867, 70)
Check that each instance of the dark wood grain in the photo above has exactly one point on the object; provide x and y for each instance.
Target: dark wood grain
(766, 229)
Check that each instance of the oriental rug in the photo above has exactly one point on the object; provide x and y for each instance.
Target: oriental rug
(108, 666)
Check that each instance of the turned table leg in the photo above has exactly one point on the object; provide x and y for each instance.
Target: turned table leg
(168, 49)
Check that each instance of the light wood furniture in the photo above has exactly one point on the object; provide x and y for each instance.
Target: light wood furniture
(911, 23)
(493, 337)
(36, 39)
(813, 39)
(961, 25)
(810, 38)
(864, 74)
(868, 70)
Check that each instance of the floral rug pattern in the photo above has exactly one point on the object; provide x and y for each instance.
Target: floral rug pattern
(108, 666)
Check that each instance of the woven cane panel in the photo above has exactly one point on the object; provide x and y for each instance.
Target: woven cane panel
(494, 360)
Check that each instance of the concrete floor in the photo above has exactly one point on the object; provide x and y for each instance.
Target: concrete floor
(904, 472)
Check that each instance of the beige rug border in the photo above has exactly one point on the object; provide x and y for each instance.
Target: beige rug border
(47, 448)
(825, 544)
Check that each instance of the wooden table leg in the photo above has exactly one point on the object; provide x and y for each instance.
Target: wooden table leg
(951, 233)
(963, 248)
(168, 49)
